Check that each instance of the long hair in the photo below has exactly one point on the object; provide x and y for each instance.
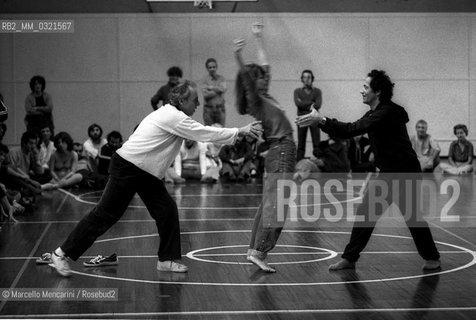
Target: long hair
(253, 71)
(64, 137)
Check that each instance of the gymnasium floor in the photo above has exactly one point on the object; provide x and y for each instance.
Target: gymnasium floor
(216, 221)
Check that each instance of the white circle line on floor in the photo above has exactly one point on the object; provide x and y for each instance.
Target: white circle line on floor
(467, 265)
(81, 200)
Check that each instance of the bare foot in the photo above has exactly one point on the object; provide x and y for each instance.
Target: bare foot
(342, 264)
(260, 264)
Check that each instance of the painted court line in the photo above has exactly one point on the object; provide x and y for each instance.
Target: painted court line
(25, 264)
(244, 312)
(244, 254)
(453, 234)
(469, 264)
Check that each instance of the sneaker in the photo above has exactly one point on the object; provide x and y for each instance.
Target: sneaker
(100, 261)
(61, 264)
(172, 266)
(431, 265)
(44, 259)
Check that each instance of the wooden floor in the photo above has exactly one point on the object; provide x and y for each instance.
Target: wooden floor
(216, 221)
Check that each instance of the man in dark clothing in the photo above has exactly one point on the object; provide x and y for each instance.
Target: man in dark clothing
(175, 75)
(385, 124)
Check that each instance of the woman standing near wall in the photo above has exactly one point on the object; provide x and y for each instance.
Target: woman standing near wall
(38, 106)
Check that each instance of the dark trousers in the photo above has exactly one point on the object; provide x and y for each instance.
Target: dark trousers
(302, 136)
(369, 212)
(124, 181)
(214, 114)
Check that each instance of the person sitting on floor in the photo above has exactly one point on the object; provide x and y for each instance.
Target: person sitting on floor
(114, 142)
(427, 149)
(361, 156)
(237, 161)
(330, 156)
(63, 161)
(460, 155)
(191, 163)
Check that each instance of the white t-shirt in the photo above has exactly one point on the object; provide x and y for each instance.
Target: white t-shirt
(158, 138)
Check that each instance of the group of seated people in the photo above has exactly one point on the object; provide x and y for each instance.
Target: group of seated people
(355, 155)
(460, 154)
(209, 162)
(45, 162)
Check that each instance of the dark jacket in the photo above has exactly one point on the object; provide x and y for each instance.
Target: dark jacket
(386, 127)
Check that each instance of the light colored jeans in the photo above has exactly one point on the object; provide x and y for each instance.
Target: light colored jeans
(279, 164)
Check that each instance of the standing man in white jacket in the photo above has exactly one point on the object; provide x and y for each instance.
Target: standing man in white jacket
(138, 167)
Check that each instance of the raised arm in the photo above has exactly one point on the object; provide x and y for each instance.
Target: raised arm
(238, 45)
(257, 29)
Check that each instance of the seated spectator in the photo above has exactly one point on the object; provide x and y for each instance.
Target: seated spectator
(93, 145)
(63, 161)
(361, 156)
(38, 106)
(3, 110)
(7, 209)
(191, 163)
(330, 156)
(3, 131)
(82, 176)
(213, 162)
(460, 155)
(114, 142)
(26, 170)
(427, 149)
(47, 146)
(237, 161)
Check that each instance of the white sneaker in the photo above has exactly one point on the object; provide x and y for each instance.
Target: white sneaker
(171, 266)
(61, 264)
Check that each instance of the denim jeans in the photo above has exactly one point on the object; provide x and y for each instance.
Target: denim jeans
(125, 180)
(279, 163)
(214, 114)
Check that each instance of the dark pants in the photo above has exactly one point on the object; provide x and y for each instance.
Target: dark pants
(214, 114)
(369, 212)
(302, 136)
(124, 181)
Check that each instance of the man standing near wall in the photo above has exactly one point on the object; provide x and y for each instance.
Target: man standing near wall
(306, 98)
(175, 75)
(213, 88)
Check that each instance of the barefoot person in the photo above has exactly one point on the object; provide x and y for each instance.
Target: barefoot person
(385, 123)
(138, 167)
(253, 99)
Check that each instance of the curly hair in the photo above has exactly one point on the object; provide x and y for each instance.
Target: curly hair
(174, 72)
(41, 80)
(180, 93)
(381, 82)
(462, 127)
(65, 137)
(254, 71)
